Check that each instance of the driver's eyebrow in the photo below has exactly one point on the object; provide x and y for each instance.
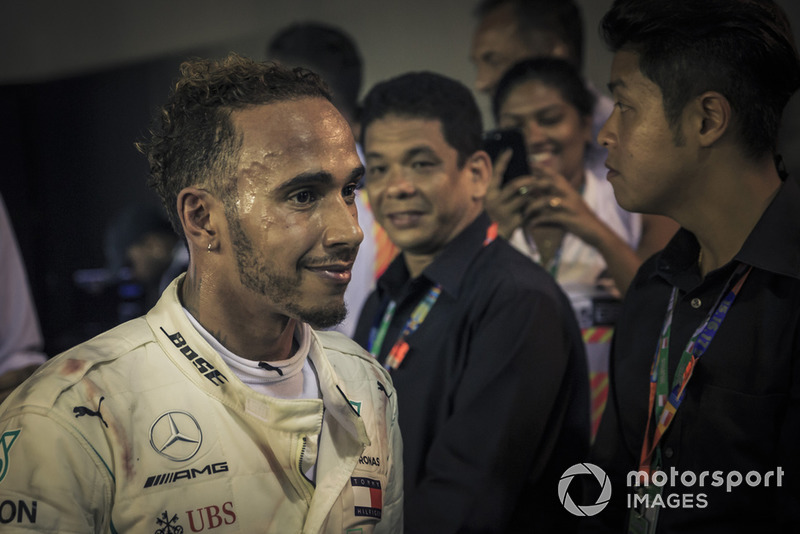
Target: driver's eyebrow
(306, 179)
(320, 178)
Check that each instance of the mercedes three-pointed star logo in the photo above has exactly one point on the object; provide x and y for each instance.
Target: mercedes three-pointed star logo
(176, 435)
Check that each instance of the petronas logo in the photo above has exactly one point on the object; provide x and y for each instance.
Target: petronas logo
(6, 441)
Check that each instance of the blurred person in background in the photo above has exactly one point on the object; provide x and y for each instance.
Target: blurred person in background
(142, 247)
(21, 342)
(563, 215)
(481, 343)
(509, 31)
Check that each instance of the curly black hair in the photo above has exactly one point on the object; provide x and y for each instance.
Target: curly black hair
(193, 140)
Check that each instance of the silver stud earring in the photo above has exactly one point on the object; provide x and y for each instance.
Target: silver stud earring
(209, 247)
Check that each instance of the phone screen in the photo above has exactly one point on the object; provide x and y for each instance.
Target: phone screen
(496, 141)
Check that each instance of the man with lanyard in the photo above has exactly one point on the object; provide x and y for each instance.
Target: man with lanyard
(705, 377)
(481, 344)
(222, 407)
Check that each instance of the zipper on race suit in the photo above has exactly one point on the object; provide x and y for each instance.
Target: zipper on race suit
(308, 485)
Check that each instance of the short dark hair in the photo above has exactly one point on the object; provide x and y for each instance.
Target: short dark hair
(552, 72)
(193, 141)
(328, 51)
(427, 95)
(742, 49)
(553, 20)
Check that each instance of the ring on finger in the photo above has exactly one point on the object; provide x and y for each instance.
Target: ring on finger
(522, 191)
(555, 202)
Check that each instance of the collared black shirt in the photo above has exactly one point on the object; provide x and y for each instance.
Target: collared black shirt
(741, 412)
(493, 393)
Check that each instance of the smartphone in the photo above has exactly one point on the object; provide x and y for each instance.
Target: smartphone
(496, 141)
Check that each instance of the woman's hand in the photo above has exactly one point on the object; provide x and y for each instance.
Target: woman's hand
(505, 203)
(554, 202)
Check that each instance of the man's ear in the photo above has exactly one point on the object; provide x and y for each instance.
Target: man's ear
(479, 165)
(195, 208)
(712, 117)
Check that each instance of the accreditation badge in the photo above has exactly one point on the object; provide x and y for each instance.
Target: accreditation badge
(643, 518)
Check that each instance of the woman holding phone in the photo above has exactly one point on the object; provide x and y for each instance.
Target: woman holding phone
(562, 214)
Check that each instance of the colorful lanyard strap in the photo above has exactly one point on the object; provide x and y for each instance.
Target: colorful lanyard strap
(663, 402)
(399, 350)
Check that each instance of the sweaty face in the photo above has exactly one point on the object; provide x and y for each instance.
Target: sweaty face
(555, 132)
(415, 187)
(496, 46)
(292, 223)
(648, 171)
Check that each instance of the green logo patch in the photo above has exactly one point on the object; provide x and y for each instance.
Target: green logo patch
(6, 441)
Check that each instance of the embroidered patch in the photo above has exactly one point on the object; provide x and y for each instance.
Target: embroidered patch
(167, 524)
(367, 497)
(6, 441)
(80, 411)
(176, 435)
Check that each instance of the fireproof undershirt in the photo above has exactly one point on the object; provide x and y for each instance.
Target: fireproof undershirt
(292, 378)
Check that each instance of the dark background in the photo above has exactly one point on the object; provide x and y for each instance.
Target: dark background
(69, 164)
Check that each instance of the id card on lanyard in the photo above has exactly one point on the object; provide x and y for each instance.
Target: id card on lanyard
(665, 401)
(398, 352)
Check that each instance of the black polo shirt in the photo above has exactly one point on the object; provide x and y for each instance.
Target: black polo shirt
(742, 407)
(493, 393)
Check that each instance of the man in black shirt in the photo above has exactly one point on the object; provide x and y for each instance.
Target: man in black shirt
(482, 345)
(705, 371)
